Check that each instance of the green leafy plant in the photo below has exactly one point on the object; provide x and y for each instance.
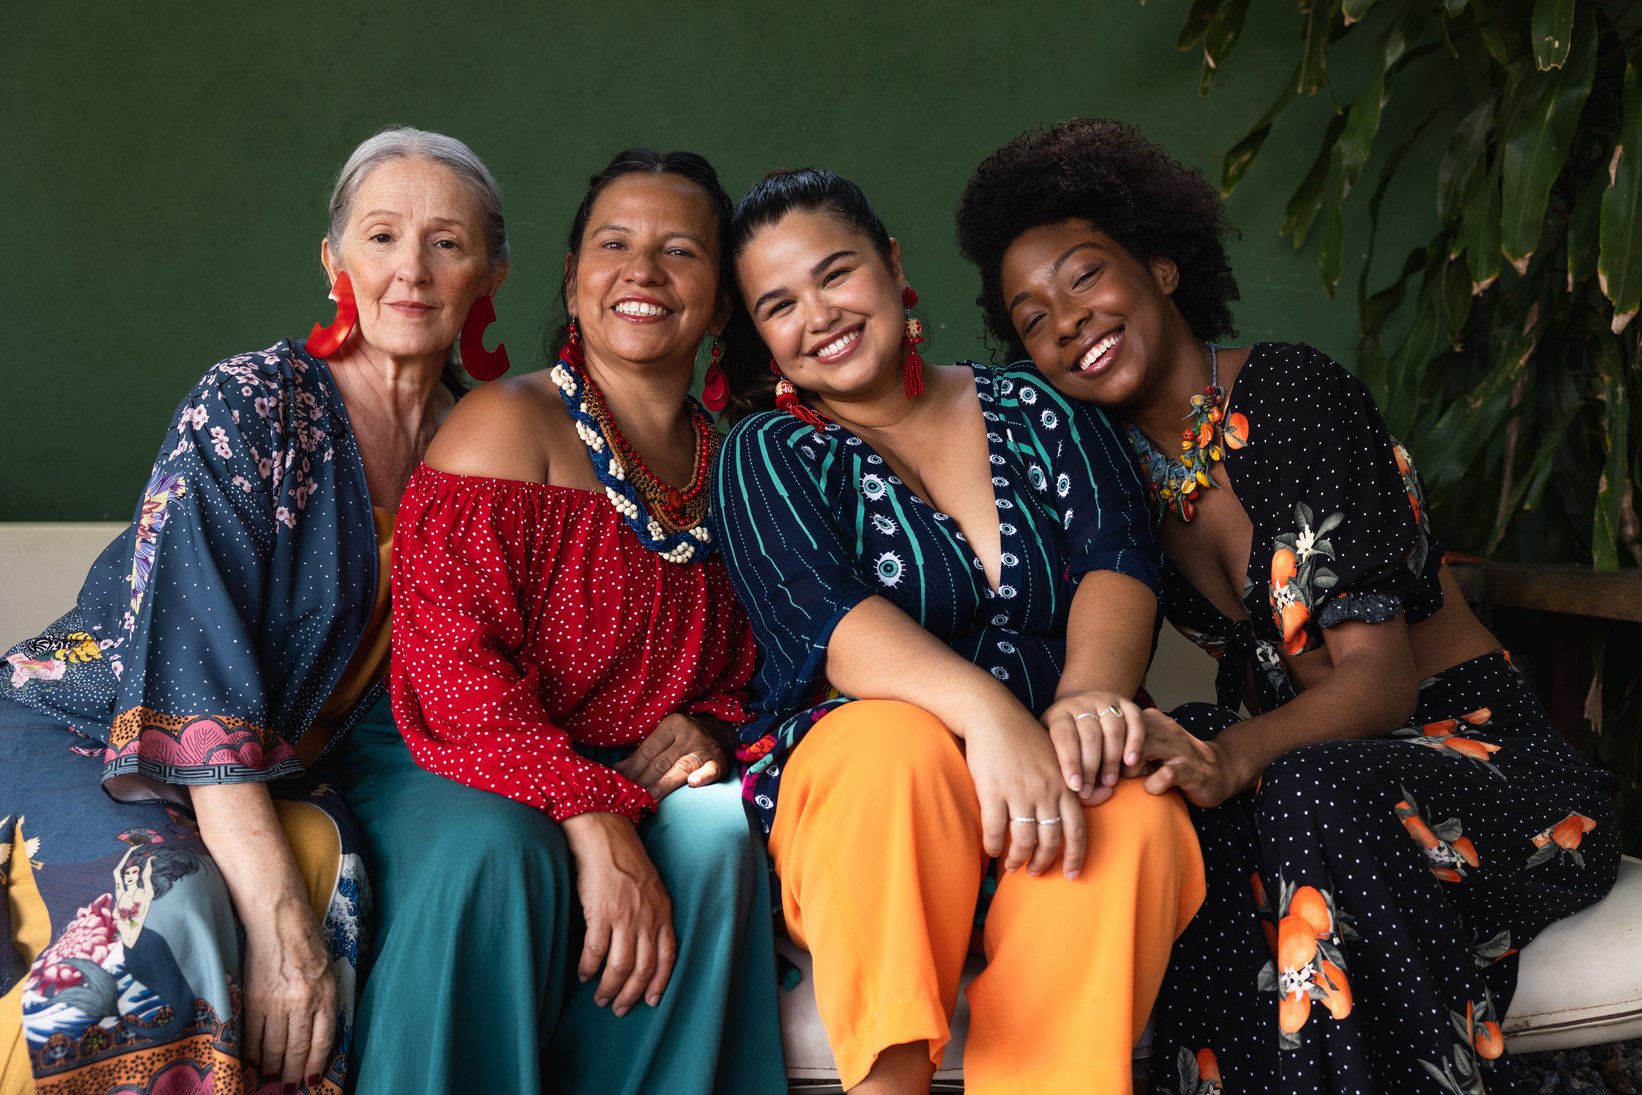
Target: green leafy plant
(1505, 348)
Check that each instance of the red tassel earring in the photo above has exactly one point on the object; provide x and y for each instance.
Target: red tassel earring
(912, 368)
(715, 390)
(571, 352)
(482, 364)
(786, 399)
(325, 341)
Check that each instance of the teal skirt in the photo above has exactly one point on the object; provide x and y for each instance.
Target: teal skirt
(473, 982)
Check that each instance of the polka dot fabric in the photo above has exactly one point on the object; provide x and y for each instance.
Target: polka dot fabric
(1340, 524)
(528, 619)
(1367, 900)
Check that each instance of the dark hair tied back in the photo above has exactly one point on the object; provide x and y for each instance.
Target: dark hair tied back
(1124, 184)
(804, 190)
(635, 161)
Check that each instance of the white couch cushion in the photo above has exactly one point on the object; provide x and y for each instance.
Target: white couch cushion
(1581, 979)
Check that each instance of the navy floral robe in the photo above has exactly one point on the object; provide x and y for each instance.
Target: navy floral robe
(202, 646)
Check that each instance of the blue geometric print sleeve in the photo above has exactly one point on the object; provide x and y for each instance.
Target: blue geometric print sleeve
(1092, 476)
(793, 563)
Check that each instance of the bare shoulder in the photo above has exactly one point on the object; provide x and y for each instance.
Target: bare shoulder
(502, 430)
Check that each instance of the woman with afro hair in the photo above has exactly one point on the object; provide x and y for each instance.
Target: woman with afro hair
(1396, 817)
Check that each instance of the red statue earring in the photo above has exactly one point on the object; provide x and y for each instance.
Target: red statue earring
(482, 364)
(786, 399)
(912, 369)
(715, 390)
(325, 341)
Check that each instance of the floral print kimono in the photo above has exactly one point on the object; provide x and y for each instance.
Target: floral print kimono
(204, 642)
(1368, 898)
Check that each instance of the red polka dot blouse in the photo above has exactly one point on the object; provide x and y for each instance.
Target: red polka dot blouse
(528, 618)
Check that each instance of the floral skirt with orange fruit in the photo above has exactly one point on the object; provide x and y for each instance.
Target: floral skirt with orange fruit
(1366, 902)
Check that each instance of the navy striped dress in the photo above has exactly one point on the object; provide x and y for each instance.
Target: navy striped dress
(812, 522)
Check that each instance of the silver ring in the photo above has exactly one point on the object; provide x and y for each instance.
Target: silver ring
(1025, 820)
(1084, 715)
(1112, 709)
(1048, 821)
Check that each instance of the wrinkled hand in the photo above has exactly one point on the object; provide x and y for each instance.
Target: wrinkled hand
(1017, 776)
(1206, 772)
(682, 749)
(629, 915)
(290, 995)
(1097, 737)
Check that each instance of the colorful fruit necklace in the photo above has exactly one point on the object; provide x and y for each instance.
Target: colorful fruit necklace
(1173, 483)
(667, 520)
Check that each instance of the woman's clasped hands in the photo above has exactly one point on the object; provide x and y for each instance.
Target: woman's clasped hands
(1100, 737)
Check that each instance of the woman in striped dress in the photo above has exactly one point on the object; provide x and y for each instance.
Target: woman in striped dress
(952, 582)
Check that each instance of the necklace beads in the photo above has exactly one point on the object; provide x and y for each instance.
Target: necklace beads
(667, 520)
(1173, 482)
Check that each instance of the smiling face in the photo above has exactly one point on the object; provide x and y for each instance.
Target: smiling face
(827, 305)
(1092, 316)
(414, 249)
(645, 286)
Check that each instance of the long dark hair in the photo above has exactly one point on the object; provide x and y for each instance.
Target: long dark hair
(634, 161)
(804, 190)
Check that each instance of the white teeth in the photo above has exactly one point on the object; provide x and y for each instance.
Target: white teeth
(1098, 349)
(838, 345)
(639, 308)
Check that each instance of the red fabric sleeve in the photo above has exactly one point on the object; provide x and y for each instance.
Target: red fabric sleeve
(465, 559)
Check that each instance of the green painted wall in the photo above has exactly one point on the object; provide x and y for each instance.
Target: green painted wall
(164, 165)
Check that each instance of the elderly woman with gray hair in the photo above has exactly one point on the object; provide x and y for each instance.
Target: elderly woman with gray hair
(198, 925)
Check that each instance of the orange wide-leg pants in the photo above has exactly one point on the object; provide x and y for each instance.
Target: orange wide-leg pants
(877, 841)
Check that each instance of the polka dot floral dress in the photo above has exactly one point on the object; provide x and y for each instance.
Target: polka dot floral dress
(1368, 899)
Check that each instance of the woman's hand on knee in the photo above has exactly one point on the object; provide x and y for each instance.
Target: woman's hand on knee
(1029, 816)
(1097, 737)
(682, 749)
(289, 1015)
(629, 915)
(290, 994)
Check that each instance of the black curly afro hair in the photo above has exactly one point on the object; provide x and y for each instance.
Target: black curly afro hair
(1126, 186)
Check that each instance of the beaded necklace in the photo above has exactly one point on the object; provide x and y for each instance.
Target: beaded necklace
(1173, 483)
(668, 521)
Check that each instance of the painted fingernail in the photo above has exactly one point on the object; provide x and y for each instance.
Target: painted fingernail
(313, 1081)
(290, 1089)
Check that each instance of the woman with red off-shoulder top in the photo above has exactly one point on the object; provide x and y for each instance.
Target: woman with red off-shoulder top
(571, 897)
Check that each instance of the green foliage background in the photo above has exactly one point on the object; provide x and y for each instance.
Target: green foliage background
(1504, 349)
